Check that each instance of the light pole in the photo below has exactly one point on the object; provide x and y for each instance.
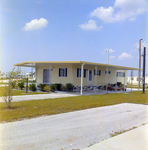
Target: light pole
(108, 55)
(139, 64)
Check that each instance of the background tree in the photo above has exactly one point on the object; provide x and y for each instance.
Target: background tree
(7, 90)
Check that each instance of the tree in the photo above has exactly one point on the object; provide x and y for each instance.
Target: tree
(7, 90)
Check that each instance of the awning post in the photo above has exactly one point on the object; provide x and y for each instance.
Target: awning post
(116, 81)
(49, 74)
(106, 77)
(82, 66)
(95, 79)
(124, 80)
(131, 79)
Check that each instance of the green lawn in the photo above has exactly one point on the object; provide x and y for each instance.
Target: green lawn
(3, 83)
(35, 108)
(21, 92)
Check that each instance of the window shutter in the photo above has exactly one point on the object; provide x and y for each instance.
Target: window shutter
(84, 73)
(99, 72)
(94, 72)
(66, 72)
(77, 72)
(59, 72)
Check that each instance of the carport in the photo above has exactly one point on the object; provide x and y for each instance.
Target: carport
(84, 67)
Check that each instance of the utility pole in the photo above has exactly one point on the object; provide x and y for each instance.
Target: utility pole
(143, 80)
(108, 55)
(139, 64)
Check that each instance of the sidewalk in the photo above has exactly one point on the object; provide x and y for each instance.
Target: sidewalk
(136, 139)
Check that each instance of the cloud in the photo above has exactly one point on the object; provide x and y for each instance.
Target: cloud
(111, 57)
(91, 25)
(122, 10)
(144, 44)
(125, 56)
(110, 50)
(36, 24)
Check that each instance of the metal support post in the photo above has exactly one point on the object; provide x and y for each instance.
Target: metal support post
(139, 63)
(116, 81)
(144, 53)
(124, 80)
(95, 79)
(106, 77)
(27, 85)
(82, 66)
(49, 74)
(131, 79)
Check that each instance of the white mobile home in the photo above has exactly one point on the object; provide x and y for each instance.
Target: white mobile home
(135, 80)
(63, 72)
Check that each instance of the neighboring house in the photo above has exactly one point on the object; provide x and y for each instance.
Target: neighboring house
(3, 75)
(30, 75)
(63, 72)
(135, 80)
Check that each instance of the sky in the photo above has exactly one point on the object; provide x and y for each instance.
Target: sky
(71, 30)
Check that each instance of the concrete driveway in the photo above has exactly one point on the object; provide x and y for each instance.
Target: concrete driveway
(74, 130)
(57, 94)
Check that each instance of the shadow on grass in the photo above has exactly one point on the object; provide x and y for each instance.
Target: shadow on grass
(6, 108)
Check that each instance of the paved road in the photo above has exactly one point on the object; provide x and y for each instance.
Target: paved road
(72, 130)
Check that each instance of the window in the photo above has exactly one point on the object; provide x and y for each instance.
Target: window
(79, 72)
(97, 72)
(120, 74)
(107, 72)
(62, 72)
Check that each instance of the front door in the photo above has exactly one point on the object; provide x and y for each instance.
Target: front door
(45, 75)
(89, 77)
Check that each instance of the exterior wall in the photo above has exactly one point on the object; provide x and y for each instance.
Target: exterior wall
(76, 81)
(3, 75)
(63, 80)
(135, 80)
(121, 79)
(146, 80)
(55, 74)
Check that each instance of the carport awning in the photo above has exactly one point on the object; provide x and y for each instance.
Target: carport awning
(46, 63)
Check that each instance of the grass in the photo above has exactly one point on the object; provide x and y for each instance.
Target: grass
(136, 86)
(121, 131)
(36, 108)
(4, 83)
(21, 92)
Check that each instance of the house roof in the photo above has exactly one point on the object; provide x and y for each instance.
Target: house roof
(46, 63)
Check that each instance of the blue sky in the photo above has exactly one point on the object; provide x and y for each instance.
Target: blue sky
(69, 30)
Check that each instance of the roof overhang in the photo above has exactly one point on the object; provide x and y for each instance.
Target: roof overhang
(47, 63)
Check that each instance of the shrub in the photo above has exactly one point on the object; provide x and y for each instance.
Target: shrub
(118, 83)
(46, 88)
(58, 85)
(21, 85)
(69, 86)
(32, 87)
(53, 87)
(42, 86)
(63, 88)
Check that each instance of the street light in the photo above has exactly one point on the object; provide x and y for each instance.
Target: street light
(107, 50)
